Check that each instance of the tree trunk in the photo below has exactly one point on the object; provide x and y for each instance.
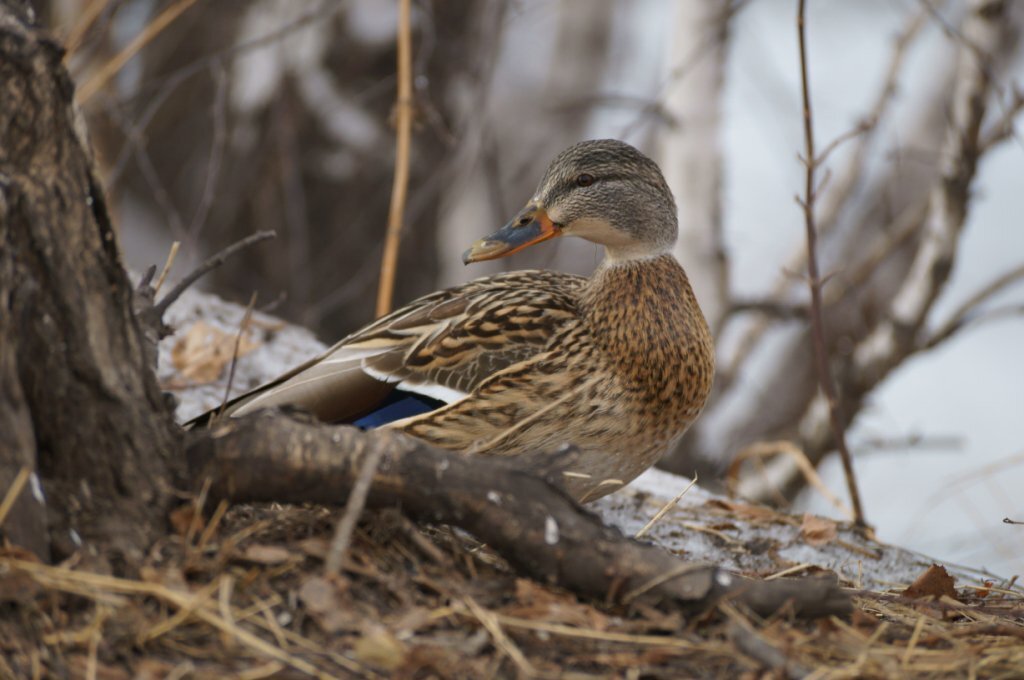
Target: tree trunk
(79, 403)
(691, 153)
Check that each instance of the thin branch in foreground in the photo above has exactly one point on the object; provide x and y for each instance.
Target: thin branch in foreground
(400, 185)
(665, 508)
(206, 267)
(353, 509)
(814, 278)
(242, 328)
(171, 256)
(13, 491)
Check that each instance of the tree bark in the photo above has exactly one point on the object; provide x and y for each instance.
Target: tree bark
(79, 403)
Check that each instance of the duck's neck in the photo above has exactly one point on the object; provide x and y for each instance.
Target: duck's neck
(644, 316)
(633, 251)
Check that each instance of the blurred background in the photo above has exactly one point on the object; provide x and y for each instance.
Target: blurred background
(217, 118)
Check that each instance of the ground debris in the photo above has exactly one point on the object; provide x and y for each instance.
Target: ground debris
(453, 610)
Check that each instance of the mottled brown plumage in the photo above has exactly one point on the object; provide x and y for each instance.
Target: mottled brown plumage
(618, 365)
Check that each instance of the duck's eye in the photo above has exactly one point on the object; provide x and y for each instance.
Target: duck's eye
(584, 180)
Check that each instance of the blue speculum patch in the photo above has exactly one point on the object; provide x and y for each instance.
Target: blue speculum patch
(398, 405)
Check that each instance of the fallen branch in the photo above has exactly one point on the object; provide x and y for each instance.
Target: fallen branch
(531, 523)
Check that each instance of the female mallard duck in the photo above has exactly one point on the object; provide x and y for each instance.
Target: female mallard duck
(618, 364)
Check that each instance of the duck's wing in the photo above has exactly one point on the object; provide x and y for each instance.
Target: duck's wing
(442, 346)
(534, 395)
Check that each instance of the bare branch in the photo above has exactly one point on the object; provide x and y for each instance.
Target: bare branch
(111, 68)
(970, 320)
(242, 328)
(353, 509)
(774, 308)
(403, 137)
(206, 267)
(964, 313)
(1005, 127)
(814, 280)
(836, 199)
(894, 338)
(895, 335)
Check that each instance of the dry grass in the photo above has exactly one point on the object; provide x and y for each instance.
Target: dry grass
(246, 595)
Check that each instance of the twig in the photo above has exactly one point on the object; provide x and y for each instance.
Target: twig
(400, 185)
(896, 336)
(1004, 127)
(758, 647)
(667, 642)
(93, 585)
(110, 69)
(353, 509)
(848, 179)
(771, 448)
(1007, 520)
(777, 309)
(961, 316)
(501, 641)
(82, 25)
(13, 491)
(242, 327)
(665, 508)
(658, 579)
(814, 279)
(218, 146)
(835, 200)
(171, 256)
(206, 267)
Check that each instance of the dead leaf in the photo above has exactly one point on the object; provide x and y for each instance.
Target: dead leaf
(266, 554)
(934, 582)
(378, 647)
(817, 531)
(202, 353)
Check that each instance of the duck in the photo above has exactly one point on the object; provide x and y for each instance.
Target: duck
(617, 365)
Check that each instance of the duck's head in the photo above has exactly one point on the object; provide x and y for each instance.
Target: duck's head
(602, 190)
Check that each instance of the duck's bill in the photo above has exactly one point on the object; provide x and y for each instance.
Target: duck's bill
(531, 226)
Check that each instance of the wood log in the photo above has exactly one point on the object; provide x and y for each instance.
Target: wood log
(524, 517)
